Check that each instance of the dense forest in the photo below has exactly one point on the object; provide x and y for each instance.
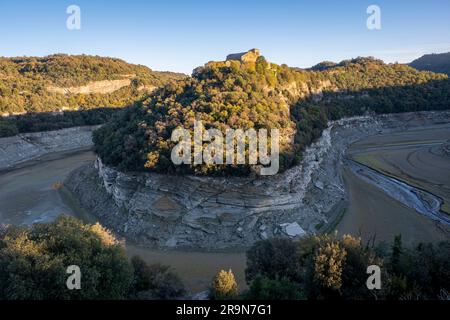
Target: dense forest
(26, 83)
(437, 62)
(234, 94)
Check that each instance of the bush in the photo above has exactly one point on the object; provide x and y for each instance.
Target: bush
(34, 260)
(419, 273)
(328, 267)
(224, 286)
(274, 258)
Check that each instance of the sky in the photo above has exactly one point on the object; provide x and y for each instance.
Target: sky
(181, 35)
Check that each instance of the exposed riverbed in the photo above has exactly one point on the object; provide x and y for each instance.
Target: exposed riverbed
(397, 184)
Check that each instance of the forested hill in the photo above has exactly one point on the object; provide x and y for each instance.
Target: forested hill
(65, 82)
(249, 92)
(433, 62)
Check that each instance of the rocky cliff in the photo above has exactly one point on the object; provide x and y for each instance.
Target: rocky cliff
(24, 147)
(102, 87)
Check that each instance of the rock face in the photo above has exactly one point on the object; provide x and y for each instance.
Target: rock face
(245, 57)
(28, 146)
(213, 213)
(446, 148)
(103, 87)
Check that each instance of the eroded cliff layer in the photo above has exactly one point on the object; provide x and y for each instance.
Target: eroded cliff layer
(28, 146)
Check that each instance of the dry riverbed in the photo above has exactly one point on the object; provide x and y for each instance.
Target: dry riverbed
(411, 157)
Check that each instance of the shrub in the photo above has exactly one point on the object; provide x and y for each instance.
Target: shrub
(224, 286)
(328, 267)
(34, 260)
(7, 129)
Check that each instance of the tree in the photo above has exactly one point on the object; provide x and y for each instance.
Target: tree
(263, 288)
(275, 258)
(33, 262)
(155, 281)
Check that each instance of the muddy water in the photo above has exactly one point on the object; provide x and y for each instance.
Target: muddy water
(31, 194)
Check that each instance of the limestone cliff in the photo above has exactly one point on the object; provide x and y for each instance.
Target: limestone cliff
(28, 146)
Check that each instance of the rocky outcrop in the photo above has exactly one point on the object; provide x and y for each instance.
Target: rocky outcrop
(212, 213)
(102, 87)
(28, 146)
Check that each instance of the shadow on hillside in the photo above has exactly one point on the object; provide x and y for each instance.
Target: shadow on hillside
(47, 121)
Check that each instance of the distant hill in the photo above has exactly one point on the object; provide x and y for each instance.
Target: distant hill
(66, 82)
(433, 62)
(324, 65)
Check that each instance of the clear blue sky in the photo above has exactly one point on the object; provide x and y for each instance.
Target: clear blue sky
(180, 35)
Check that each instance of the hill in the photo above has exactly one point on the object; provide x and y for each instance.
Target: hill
(254, 93)
(65, 82)
(433, 62)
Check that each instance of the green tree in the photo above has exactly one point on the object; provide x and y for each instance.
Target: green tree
(33, 262)
(155, 281)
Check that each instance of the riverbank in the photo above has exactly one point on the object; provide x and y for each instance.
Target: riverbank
(22, 149)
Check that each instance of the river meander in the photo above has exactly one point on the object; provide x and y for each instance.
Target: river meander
(32, 193)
